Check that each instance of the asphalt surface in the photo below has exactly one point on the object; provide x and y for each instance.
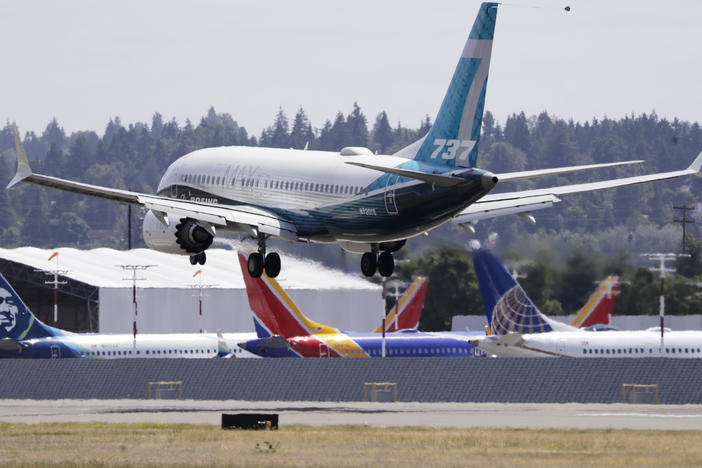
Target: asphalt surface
(513, 415)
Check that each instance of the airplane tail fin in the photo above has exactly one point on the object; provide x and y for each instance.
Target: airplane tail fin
(275, 313)
(17, 322)
(453, 139)
(408, 310)
(600, 307)
(507, 307)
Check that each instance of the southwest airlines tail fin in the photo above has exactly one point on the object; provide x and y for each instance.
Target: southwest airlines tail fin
(508, 308)
(17, 322)
(408, 309)
(274, 312)
(600, 307)
(453, 139)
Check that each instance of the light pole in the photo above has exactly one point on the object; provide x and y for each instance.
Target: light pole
(134, 279)
(661, 258)
(55, 283)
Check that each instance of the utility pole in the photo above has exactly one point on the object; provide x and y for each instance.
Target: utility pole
(684, 220)
(134, 279)
(55, 283)
(661, 258)
(200, 295)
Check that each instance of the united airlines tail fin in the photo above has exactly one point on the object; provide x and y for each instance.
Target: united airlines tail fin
(600, 307)
(408, 309)
(17, 322)
(274, 312)
(453, 139)
(507, 307)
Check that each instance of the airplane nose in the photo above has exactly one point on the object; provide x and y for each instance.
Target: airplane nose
(488, 180)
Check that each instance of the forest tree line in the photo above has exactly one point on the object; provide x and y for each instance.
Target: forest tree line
(583, 233)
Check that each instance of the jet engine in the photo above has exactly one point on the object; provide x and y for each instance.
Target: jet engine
(185, 236)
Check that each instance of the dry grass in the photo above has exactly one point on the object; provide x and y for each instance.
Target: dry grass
(102, 444)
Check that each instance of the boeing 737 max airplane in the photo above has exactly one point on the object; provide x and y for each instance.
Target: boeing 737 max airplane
(365, 203)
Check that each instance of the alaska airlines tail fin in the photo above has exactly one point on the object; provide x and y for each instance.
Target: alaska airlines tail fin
(274, 312)
(408, 310)
(600, 307)
(507, 307)
(453, 139)
(16, 320)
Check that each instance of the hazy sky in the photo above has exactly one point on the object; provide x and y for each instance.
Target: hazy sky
(86, 61)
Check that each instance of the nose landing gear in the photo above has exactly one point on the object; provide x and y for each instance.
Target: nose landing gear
(200, 258)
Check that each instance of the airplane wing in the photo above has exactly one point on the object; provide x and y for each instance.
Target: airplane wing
(510, 339)
(248, 218)
(522, 202)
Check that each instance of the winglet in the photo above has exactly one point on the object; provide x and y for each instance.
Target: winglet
(697, 165)
(23, 169)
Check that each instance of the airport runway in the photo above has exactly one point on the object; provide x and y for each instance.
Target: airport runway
(514, 415)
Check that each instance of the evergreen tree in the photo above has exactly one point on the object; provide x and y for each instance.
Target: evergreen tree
(302, 134)
(382, 133)
(357, 127)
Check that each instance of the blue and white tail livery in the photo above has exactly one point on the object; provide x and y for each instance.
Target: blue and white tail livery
(508, 308)
(453, 139)
(16, 320)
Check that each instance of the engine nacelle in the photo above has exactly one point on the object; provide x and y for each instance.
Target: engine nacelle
(184, 237)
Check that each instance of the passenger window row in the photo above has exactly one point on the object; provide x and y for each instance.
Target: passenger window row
(201, 179)
(639, 350)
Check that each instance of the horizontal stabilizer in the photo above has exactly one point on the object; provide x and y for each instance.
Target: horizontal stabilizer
(435, 179)
(510, 176)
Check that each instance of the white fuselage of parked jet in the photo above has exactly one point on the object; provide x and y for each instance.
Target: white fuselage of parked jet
(124, 346)
(592, 344)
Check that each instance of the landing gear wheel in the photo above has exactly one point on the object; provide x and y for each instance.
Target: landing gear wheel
(255, 265)
(386, 264)
(272, 264)
(369, 263)
(193, 259)
(201, 258)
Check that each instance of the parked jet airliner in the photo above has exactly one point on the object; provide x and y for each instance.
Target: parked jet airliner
(521, 330)
(284, 331)
(365, 203)
(22, 335)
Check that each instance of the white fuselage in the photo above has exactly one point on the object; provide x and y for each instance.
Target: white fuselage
(145, 346)
(276, 178)
(604, 344)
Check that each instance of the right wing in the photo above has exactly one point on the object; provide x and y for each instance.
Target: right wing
(248, 218)
(522, 202)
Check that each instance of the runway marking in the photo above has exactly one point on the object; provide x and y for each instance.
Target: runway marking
(645, 415)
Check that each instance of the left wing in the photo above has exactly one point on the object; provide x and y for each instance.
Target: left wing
(248, 218)
(522, 202)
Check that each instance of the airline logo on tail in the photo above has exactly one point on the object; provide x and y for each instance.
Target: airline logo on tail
(16, 321)
(274, 312)
(600, 307)
(408, 310)
(507, 307)
(453, 139)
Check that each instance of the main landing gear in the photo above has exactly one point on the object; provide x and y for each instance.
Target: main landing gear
(260, 262)
(200, 258)
(384, 263)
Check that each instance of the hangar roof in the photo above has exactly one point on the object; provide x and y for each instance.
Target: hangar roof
(102, 268)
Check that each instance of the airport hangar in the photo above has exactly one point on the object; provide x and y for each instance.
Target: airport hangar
(97, 294)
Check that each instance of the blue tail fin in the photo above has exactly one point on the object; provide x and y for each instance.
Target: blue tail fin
(507, 307)
(453, 139)
(16, 320)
